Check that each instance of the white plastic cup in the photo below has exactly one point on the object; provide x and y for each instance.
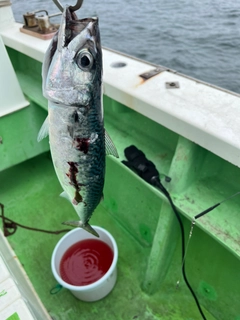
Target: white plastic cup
(102, 287)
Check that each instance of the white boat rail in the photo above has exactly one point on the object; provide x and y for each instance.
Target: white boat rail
(201, 113)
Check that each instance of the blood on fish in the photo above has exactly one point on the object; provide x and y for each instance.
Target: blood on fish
(82, 144)
(73, 170)
(77, 198)
(72, 175)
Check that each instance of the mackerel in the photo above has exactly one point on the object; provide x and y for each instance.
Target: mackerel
(72, 83)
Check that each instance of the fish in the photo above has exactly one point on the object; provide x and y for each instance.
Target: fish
(72, 83)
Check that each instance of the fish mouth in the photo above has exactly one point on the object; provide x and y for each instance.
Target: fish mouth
(71, 26)
(64, 79)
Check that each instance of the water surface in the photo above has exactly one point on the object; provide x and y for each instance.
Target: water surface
(200, 38)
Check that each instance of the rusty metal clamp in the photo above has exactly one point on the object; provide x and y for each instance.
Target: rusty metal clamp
(72, 8)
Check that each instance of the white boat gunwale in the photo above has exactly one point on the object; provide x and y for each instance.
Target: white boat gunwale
(201, 113)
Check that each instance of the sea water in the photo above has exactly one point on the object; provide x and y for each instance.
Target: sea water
(200, 38)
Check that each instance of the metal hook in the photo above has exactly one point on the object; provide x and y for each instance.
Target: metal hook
(72, 8)
(77, 6)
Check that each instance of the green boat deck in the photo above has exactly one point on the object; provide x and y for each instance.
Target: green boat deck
(35, 202)
(136, 214)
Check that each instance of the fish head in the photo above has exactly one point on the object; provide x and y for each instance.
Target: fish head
(72, 67)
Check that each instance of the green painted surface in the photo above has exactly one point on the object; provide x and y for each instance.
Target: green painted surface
(36, 202)
(137, 215)
(207, 291)
(19, 133)
(164, 245)
(216, 180)
(14, 316)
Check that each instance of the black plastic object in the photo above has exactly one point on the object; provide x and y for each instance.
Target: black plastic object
(138, 162)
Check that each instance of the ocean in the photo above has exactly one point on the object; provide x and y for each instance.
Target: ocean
(199, 38)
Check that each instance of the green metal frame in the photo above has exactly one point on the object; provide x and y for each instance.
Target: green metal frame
(138, 216)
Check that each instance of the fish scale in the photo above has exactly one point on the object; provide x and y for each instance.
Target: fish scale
(72, 83)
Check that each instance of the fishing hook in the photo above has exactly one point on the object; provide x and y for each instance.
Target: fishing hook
(77, 6)
(72, 8)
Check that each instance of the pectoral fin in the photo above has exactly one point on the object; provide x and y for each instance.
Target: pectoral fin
(65, 195)
(110, 147)
(43, 133)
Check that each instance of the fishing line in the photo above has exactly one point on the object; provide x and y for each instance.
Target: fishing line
(191, 232)
(189, 238)
(216, 205)
(157, 183)
(184, 250)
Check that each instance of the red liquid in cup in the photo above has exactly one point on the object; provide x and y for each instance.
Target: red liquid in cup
(85, 262)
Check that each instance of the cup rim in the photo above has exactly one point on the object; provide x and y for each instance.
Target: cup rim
(96, 283)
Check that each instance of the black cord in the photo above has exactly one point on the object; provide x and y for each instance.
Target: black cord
(147, 170)
(157, 183)
(10, 226)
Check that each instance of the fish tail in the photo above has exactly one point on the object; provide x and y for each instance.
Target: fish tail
(86, 226)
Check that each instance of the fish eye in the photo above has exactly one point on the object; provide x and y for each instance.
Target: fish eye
(84, 60)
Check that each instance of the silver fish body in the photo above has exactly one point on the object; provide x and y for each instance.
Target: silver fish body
(72, 83)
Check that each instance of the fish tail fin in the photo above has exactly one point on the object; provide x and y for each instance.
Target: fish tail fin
(86, 226)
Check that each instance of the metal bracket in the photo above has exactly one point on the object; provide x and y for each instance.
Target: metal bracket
(152, 73)
(172, 85)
